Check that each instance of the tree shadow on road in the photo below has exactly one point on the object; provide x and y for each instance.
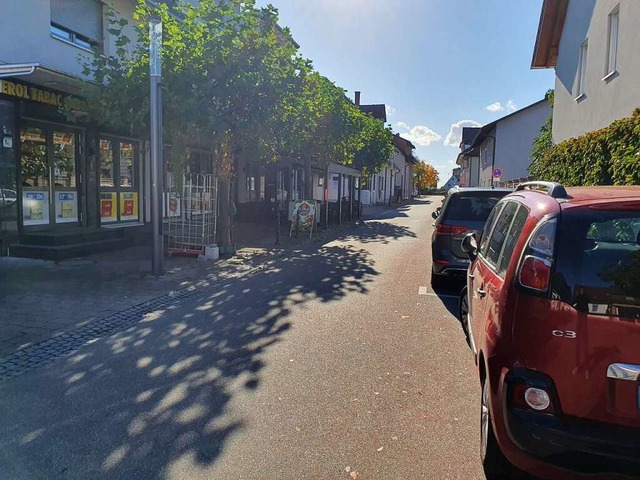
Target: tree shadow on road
(155, 399)
(376, 231)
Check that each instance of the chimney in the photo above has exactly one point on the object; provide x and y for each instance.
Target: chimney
(358, 98)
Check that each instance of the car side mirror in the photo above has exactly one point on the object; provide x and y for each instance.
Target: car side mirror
(470, 245)
(436, 214)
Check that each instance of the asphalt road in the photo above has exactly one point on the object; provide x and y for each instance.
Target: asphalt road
(329, 363)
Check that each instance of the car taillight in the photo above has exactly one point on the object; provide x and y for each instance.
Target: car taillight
(535, 273)
(536, 268)
(451, 230)
(531, 398)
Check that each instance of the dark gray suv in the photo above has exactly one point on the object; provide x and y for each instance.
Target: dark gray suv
(464, 210)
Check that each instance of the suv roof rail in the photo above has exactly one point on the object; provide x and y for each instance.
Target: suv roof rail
(553, 189)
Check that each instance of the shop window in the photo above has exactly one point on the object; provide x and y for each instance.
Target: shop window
(126, 165)
(118, 180)
(106, 163)
(64, 159)
(34, 160)
(78, 22)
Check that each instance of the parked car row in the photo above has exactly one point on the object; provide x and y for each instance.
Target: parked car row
(551, 310)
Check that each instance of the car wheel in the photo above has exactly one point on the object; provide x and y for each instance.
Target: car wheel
(495, 464)
(438, 281)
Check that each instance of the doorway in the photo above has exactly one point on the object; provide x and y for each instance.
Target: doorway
(50, 169)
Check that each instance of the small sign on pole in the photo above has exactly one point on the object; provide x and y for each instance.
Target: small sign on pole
(496, 174)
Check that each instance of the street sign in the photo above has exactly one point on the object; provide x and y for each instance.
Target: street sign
(497, 173)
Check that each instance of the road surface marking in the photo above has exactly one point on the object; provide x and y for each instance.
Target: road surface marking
(425, 291)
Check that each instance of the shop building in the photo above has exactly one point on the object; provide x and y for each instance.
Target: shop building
(66, 188)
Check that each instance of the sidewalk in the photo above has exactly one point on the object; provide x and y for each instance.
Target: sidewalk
(40, 299)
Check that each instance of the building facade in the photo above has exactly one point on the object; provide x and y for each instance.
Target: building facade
(504, 145)
(592, 45)
(66, 175)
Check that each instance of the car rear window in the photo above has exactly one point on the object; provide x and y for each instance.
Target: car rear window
(598, 262)
(472, 206)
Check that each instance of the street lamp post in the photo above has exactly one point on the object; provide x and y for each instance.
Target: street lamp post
(155, 70)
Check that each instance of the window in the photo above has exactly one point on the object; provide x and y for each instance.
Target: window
(127, 163)
(512, 238)
(597, 268)
(488, 227)
(106, 163)
(78, 22)
(582, 73)
(472, 206)
(499, 233)
(612, 48)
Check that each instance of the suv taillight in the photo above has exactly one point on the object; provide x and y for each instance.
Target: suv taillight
(535, 269)
(451, 230)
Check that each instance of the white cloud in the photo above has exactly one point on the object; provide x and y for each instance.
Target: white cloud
(494, 107)
(420, 135)
(499, 107)
(455, 134)
(403, 126)
(390, 111)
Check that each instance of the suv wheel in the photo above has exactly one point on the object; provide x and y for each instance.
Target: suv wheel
(495, 464)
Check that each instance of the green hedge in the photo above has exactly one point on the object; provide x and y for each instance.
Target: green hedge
(610, 156)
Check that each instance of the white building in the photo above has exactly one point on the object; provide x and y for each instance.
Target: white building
(505, 145)
(593, 47)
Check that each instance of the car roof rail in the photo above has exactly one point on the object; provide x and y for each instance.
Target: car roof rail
(553, 189)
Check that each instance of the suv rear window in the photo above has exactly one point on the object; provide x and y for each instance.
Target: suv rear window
(598, 262)
(472, 206)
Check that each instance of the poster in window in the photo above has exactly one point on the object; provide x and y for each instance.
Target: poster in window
(66, 207)
(108, 207)
(174, 205)
(35, 208)
(129, 206)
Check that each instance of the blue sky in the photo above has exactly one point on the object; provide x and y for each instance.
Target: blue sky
(434, 63)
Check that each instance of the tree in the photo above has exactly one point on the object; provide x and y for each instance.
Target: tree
(544, 141)
(233, 83)
(426, 176)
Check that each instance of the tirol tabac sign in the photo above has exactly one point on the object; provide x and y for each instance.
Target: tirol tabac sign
(36, 94)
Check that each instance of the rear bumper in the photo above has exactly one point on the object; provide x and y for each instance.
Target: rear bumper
(445, 263)
(583, 447)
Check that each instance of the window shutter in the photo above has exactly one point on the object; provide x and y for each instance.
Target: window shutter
(83, 17)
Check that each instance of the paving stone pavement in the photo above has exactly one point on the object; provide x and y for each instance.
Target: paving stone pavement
(48, 309)
(67, 343)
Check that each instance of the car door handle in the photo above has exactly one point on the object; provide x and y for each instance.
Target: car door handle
(481, 292)
(624, 371)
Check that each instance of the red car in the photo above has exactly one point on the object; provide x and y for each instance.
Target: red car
(552, 313)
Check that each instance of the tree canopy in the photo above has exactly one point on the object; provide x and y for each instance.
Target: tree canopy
(426, 176)
(231, 76)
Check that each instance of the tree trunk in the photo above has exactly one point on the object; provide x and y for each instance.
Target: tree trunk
(224, 211)
(308, 180)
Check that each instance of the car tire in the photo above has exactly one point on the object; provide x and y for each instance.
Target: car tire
(438, 281)
(494, 463)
